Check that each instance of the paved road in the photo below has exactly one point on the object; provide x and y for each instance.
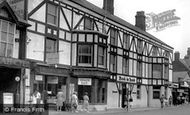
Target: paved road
(180, 110)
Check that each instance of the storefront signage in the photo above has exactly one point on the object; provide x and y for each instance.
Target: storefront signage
(84, 81)
(39, 78)
(52, 80)
(126, 79)
(13, 62)
(7, 98)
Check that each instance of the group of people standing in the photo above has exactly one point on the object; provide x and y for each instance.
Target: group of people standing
(165, 102)
(73, 102)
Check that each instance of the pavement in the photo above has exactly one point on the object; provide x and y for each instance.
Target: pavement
(118, 110)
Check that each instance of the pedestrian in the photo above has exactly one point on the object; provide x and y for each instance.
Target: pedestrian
(44, 97)
(85, 102)
(162, 101)
(170, 101)
(126, 101)
(60, 98)
(74, 102)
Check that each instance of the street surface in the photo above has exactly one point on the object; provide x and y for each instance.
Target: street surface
(179, 110)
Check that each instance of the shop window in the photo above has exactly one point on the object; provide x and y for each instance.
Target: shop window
(88, 24)
(139, 68)
(85, 54)
(126, 66)
(112, 63)
(113, 36)
(157, 70)
(101, 55)
(52, 14)
(126, 41)
(7, 30)
(156, 92)
(138, 91)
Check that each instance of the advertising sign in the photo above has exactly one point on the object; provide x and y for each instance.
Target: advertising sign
(8, 98)
(84, 81)
(126, 79)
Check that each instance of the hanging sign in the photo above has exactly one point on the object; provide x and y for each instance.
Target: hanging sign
(126, 79)
(8, 98)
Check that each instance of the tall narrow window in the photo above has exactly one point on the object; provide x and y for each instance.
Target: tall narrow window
(51, 50)
(139, 46)
(112, 63)
(125, 66)
(101, 56)
(7, 38)
(88, 24)
(113, 36)
(126, 39)
(52, 14)
(139, 68)
(85, 54)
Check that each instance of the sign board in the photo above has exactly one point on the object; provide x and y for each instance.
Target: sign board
(39, 78)
(8, 99)
(126, 79)
(84, 81)
(52, 80)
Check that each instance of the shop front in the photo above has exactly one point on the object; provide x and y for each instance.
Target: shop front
(12, 81)
(50, 79)
(93, 82)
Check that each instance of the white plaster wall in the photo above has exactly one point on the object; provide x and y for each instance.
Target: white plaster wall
(64, 53)
(112, 97)
(35, 48)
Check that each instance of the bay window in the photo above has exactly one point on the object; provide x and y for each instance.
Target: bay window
(7, 31)
(85, 54)
(101, 55)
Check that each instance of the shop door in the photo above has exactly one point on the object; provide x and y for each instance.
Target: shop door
(124, 92)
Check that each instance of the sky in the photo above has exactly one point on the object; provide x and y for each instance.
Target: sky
(177, 37)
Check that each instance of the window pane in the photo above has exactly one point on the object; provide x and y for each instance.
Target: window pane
(4, 36)
(11, 38)
(51, 19)
(4, 26)
(11, 28)
(85, 54)
(10, 50)
(51, 46)
(3, 49)
(51, 9)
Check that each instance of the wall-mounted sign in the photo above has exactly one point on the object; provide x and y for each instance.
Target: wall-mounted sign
(52, 80)
(39, 78)
(126, 79)
(8, 98)
(84, 81)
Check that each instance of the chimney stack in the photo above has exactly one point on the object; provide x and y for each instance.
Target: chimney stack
(176, 56)
(108, 6)
(140, 20)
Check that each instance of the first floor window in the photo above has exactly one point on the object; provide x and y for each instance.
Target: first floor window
(157, 70)
(85, 54)
(101, 55)
(125, 66)
(156, 92)
(7, 31)
(51, 49)
(112, 63)
(139, 69)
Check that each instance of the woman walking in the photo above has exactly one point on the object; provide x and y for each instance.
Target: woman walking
(85, 102)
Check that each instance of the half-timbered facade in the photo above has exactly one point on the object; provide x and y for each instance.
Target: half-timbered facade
(13, 63)
(76, 46)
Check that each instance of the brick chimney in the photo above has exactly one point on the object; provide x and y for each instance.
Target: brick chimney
(108, 5)
(176, 56)
(140, 20)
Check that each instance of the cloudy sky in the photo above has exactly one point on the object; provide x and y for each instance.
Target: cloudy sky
(177, 36)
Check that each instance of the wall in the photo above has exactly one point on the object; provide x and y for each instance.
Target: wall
(112, 94)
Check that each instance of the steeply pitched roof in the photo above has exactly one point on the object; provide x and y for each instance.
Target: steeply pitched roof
(183, 75)
(116, 19)
(180, 65)
(19, 21)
